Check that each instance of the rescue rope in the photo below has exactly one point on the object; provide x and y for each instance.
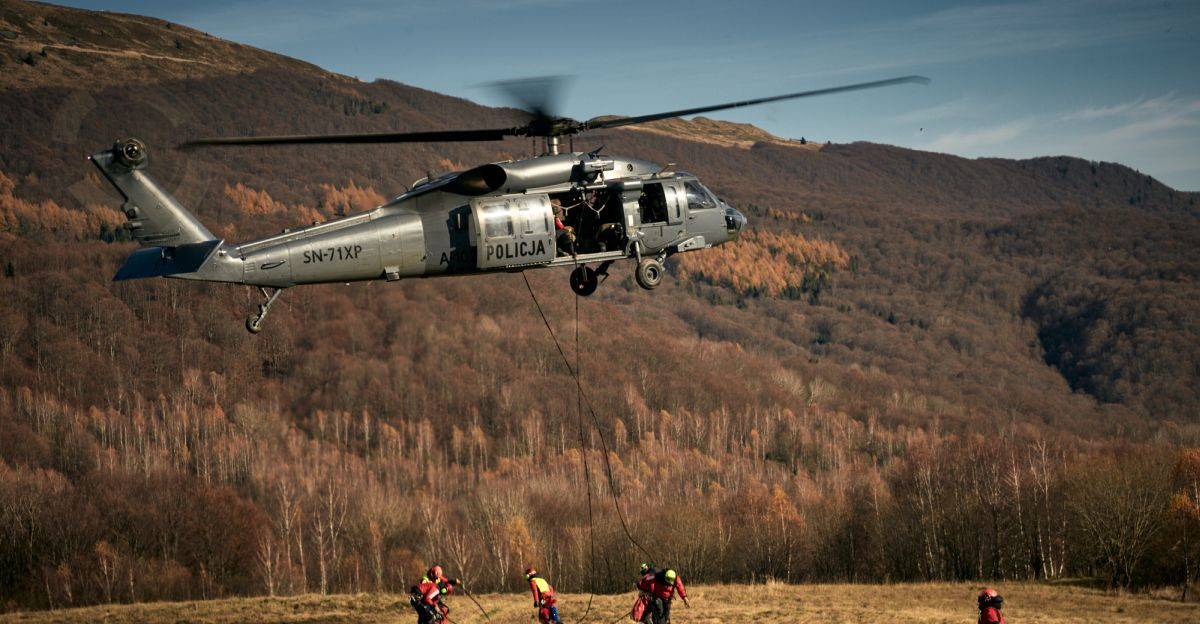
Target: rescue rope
(587, 476)
(622, 616)
(479, 606)
(612, 481)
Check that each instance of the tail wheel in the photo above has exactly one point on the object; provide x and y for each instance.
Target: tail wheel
(584, 281)
(649, 273)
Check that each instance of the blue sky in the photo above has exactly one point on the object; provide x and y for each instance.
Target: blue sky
(1110, 80)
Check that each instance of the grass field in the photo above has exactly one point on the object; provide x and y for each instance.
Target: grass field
(711, 604)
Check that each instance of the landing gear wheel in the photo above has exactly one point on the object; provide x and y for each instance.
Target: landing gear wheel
(649, 273)
(254, 323)
(584, 281)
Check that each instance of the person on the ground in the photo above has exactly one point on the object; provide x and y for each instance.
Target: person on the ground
(426, 596)
(543, 597)
(990, 603)
(661, 586)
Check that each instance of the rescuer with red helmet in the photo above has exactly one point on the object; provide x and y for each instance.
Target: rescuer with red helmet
(990, 603)
(543, 597)
(426, 596)
(436, 575)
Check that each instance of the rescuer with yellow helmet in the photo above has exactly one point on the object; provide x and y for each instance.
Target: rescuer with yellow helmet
(662, 586)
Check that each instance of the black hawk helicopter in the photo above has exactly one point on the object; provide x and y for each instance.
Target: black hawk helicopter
(557, 209)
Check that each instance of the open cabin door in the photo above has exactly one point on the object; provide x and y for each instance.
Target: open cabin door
(513, 231)
(662, 211)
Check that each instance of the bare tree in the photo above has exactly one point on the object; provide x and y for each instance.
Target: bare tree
(268, 559)
(107, 561)
(1118, 504)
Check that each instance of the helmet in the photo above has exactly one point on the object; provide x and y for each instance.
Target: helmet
(989, 597)
(670, 574)
(530, 573)
(435, 572)
(645, 567)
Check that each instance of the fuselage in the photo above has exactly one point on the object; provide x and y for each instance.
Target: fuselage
(500, 216)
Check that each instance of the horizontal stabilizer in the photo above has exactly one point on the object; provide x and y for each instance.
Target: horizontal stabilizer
(166, 261)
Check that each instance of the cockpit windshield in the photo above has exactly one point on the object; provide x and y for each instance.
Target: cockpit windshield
(698, 197)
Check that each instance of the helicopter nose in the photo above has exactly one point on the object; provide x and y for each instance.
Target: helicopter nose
(734, 221)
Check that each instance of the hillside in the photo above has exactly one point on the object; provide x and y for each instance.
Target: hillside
(716, 132)
(906, 342)
(43, 45)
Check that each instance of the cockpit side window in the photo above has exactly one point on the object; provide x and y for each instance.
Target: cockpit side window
(653, 204)
(697, 197)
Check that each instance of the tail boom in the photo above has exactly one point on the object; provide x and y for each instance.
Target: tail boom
(176, 244)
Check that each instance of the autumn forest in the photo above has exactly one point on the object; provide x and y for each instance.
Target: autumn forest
(912, 367)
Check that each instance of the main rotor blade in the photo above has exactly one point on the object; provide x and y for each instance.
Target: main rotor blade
(539, 95)
(628, 121)
(493, 134)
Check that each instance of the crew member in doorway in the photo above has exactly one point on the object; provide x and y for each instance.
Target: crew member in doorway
(564, 235)
(543, 597)
(990, 603)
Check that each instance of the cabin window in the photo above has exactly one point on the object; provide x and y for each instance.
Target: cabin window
(697, 197)
(534, 218)
(497, 222)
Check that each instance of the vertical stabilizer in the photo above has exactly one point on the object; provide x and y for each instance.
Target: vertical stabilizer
(155, 218)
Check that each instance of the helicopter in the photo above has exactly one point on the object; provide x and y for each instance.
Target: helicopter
(555, 210)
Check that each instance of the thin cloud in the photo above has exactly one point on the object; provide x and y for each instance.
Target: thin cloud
(972, 141)
(1169, 105)
(1139, 120)
(1156, 134)
(1141, 129)
(954, 108)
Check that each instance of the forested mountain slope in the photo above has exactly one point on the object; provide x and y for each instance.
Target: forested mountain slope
(905, 341)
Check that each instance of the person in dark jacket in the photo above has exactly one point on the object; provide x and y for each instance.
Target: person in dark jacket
(989, 607)
(662, 587)
(426, 598)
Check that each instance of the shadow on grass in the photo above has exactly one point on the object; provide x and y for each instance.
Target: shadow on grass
(1095, 582)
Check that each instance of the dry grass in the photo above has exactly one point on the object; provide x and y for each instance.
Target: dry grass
(712, 604)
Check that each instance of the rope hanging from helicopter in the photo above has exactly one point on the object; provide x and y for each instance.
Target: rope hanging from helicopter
(587, 477)
(582, 396)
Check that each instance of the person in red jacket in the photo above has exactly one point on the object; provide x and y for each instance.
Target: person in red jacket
(662, 587)
(990, 603)
(543, 597)
(426, 596)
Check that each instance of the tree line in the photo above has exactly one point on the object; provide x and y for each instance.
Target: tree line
(179, 499)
